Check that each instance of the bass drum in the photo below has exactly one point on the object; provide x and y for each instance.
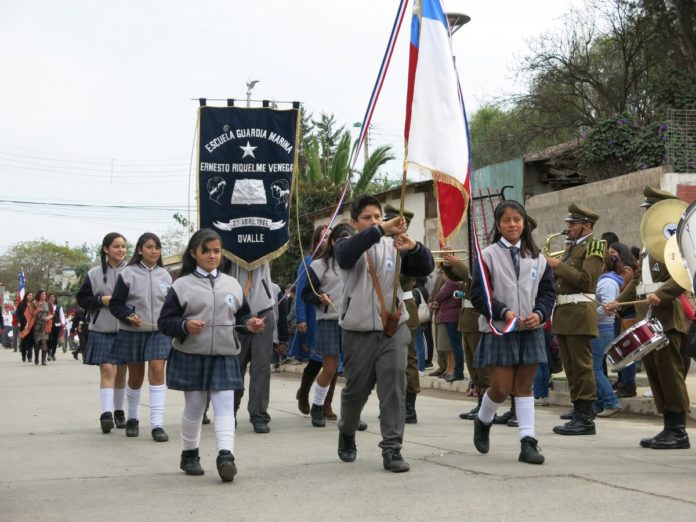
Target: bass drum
(686, 238)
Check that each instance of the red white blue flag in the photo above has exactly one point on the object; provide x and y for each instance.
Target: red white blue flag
(436, 133)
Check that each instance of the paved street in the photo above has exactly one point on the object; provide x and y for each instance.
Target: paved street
(56, 464)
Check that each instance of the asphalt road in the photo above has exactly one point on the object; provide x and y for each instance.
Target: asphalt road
(57, 465)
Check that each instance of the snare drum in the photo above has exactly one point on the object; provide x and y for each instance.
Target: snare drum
(635, 343)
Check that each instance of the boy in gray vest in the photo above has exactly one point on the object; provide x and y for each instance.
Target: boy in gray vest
(369, 356)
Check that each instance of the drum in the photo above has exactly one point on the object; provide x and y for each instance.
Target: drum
(635, 343)
(686, 238)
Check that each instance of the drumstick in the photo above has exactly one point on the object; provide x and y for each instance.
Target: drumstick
(640, 301)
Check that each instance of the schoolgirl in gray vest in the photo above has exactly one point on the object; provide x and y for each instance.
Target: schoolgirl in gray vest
(93, 297)
(522, 289)
(138, 298)
(203, 312)
(323, 290)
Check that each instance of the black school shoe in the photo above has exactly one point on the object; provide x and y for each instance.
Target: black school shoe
(394, 462)
(225, 465)
(191, 463)
(504, 418)
(159, 435)
(347, 451)
(317, 413)
(120, 419)
(529, 451)
(107, 422)
(132, 429)
(481, 435)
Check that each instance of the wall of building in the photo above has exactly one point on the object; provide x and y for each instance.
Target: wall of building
(617, 201)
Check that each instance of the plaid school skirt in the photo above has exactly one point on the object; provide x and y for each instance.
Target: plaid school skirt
(100, 349)
(327, 340)
(142, 346)
(191, 372)
(512, 349)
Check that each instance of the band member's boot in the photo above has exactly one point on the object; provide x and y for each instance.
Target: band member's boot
(675, 436)
(471, 414)
(582, 422)
(328, 412)
(627, 390)
(647, 443)
(411, 416)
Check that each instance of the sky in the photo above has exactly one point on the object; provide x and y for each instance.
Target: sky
(97, 120)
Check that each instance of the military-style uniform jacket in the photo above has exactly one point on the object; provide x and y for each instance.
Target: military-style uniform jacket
(670, 312)
(407, 285)
(468, 317)
(578, 274)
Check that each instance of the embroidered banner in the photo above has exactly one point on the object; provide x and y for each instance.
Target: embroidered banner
(247, 162)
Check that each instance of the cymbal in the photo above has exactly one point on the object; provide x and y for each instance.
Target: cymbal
(659, 223)
(676, 265)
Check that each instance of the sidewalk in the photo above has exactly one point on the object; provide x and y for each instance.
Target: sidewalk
(559, 395)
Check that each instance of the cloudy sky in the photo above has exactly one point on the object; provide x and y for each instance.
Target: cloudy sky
(95, 104)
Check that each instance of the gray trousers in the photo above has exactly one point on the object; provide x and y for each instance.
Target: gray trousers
(256, 352)
(370, 358)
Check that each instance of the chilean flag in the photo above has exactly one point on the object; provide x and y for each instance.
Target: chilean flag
(20, 286)
(436, 134)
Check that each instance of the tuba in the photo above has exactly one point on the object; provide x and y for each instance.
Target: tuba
(547, 244)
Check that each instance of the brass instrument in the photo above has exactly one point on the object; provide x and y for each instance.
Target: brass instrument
(547, 244)
(439, 255)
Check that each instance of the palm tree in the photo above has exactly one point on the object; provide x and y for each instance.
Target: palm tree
(324, 165)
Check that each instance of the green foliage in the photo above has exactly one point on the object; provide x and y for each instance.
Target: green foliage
(621, 145)
(43, 263)
(313, 197)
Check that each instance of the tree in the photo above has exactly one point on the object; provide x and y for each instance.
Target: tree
(41, 261)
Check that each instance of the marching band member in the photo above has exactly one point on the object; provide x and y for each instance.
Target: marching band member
(407, 285)
(664, 367)
(575, 317)
(375, 340)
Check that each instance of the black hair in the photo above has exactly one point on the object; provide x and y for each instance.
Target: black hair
(23, 304)
(199, 239)
(360, 203)
(316, 237)
(340, 231)
(527, 240)
(137, 256)
(38, 293)
(635, 252)
(624, 253)
(610, 238)
(106, 243)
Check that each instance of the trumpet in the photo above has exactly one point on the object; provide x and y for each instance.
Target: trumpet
(439, 255)
(547, 244)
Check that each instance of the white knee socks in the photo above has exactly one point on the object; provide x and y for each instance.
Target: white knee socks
(194, 406)
(133, 397)
(158, 395)
(107, 398)
(320, 394)
(119, 396)
(524, 409)
(223, 407)
(488, 409)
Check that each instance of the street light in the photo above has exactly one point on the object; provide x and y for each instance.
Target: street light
(457, 20)
(250, 87)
